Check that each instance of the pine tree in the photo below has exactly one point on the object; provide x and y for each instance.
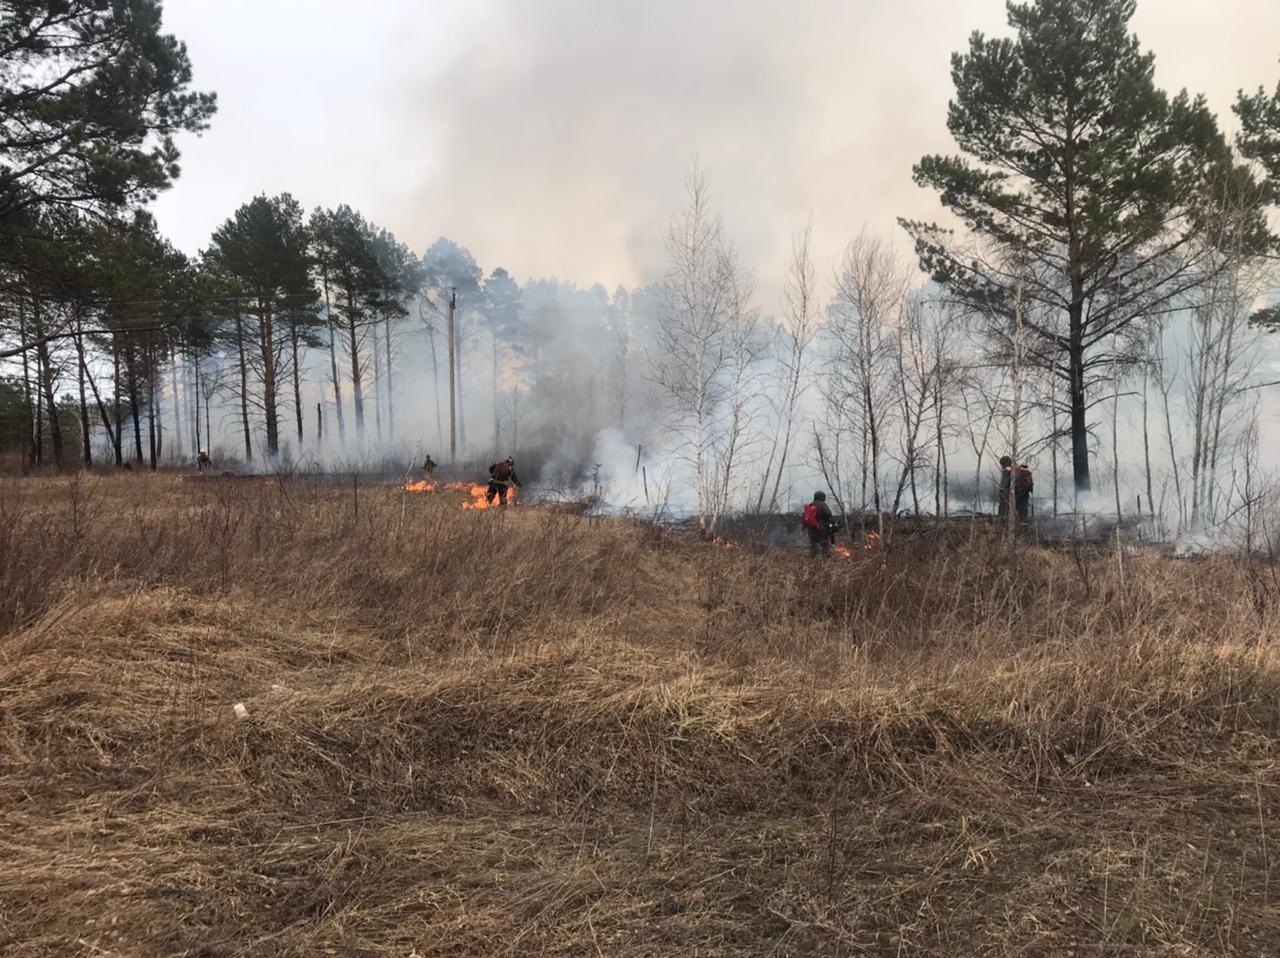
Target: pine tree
(1083, 183)
(1259, 115)
(263, 253)
(91, 96)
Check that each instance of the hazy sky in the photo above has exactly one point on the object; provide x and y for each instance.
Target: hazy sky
(551, 136)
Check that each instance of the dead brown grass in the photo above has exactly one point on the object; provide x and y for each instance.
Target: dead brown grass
(533, 733)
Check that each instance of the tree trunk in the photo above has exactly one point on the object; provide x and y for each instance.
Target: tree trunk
(1079, 415)
(377, 382)
(29, 411)
(1057, 440)
(86, 451)
(267, 345)
(333, 360)
(391, 393)
(152, 435)
(1015, 439)
(356, 385)
(46, 379)
(191, 389)
(435, 385)
(244, 387)
(297, 382)
(179, 413)
(39, 417)
(157, 408)
(1115, 438)
(135, 407)
(118, 437)
(195, 375)
(1146, 445)
(112, 430)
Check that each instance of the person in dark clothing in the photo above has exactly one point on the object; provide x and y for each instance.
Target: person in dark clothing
(429, 466)
(502, 476)
(820, 524)
(203, 461)
(1023, 485)
(1016, 483)
(1006, 483)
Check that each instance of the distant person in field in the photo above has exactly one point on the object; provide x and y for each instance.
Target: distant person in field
(1016, 483)
(429, 467)
(203, 461)
(820, 524)
(502, 476)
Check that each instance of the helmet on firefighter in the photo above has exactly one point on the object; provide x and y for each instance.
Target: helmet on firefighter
(819, 496)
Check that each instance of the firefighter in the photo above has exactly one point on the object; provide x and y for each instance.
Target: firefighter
(203, 461)
(1016, 483)
(502, 476)
(429, 466)
(1023, 485)
(1006, 485)
(820, 524)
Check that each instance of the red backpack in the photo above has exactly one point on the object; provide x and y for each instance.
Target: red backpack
(809, 518)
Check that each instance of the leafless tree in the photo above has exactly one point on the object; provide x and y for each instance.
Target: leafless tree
(1222, 352)
(802, 313)
(705, 349)
(861, 383)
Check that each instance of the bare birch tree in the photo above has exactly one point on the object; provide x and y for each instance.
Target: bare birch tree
(704, 349)
(800, 328)
(870, 299)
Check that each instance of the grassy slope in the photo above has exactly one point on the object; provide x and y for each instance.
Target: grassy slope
(475, 734)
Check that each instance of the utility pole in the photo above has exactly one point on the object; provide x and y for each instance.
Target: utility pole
(453, 377)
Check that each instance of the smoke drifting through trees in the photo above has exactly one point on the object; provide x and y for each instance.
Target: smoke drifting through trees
(1097, 289)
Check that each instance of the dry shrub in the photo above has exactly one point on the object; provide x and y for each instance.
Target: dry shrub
(539, 733)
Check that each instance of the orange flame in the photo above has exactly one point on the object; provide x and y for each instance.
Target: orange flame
(479, 495)
(424, 485)
(843, 552)
(723, 543)
(873, 541)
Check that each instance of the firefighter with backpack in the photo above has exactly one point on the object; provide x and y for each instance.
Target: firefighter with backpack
(502, 476)
(820, 524)
(1018, 483)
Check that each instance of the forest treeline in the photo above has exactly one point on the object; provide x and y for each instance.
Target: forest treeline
(1095, 304)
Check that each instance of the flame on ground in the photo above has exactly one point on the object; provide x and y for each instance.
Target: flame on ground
(424, 485)
(843, 552)
(722, 543)
(479, 495)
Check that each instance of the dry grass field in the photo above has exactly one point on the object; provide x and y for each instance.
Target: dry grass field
(529, 733)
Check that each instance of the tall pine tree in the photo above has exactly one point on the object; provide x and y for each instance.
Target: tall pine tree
(1259, 115)
(263, 253)
(91, 96)
(1080, 188)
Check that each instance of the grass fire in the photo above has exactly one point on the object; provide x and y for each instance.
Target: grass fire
(639, 479)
